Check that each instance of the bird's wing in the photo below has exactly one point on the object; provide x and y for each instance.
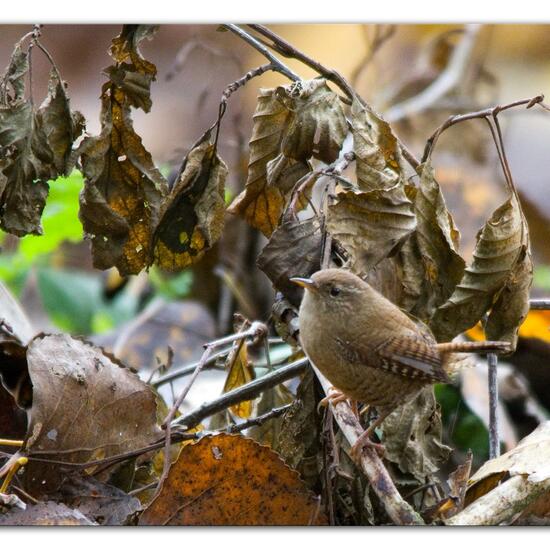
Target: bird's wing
(406, 356)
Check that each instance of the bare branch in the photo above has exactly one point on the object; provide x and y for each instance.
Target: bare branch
(242, 393)
(483, 114)
(444, 83)
(381, 482)
(257, 421)
(494, 438)
(278, 65)
(286, 49)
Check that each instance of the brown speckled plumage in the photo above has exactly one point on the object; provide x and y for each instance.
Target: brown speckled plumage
(366, 346)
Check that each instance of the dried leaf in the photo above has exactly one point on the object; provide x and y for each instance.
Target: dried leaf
(371, 225)
(120, 202)
(85, 407)
(45, 513)
(231, 480)
(101, 503)
(299, 440)
(263, 199)
(500, 249)
(268, 433)
(58, 126)
(192, 217)
(317, 127)
(240, 372)
(293, 250)
(377, 154)
(412, 436)
(261, 204)
(512, 305)
(529, 458)
(438, 267)
(132, 73)
(34, 146)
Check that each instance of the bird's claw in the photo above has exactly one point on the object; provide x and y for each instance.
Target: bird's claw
(360, 445)
(334, 397)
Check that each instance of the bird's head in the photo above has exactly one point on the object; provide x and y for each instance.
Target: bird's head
(333, 289)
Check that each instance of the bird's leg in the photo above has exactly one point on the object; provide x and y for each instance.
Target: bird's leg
(364, 440)
(334, 397)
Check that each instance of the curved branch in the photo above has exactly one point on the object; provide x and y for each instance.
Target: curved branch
(444, 83)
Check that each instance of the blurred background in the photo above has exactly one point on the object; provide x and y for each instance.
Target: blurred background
(144, 317)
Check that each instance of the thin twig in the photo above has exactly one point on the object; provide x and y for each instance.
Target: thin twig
(494, 438)
(257, 421)
(256, 330)
(240, 394)
(188, 369)
(485, 113)
(278, 65)
(449, 78)
(286, 49)
(177, 436)
(382, 33)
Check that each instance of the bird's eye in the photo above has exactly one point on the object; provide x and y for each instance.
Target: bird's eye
(334, 291)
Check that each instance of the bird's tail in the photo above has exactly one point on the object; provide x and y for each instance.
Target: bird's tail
(475, 347)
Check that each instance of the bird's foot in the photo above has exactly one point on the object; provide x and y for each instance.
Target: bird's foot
(361, 444)
(334, 397)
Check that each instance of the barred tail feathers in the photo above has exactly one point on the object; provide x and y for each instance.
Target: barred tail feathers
(474, 347)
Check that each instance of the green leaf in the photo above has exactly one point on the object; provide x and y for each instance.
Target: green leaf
(60, 219)
(69, 298)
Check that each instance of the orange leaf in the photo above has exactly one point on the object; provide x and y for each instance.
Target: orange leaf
(232, 480)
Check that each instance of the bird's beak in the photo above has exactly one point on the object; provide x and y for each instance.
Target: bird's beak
(308, 284)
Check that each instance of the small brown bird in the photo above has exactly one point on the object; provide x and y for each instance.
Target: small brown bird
(368, 348)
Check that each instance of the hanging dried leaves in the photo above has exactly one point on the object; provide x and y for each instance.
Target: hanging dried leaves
(34, 145)
(120, 202)
(85, 407)
(512, 305)
(292, 124)
(317, 126)
(371, 225)
(259, 203)
(293, 250)
(377, 154)
(373, 221)
(126, 208)
(231, 480)
(192, 216)
(433, 259)
(501, 261)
